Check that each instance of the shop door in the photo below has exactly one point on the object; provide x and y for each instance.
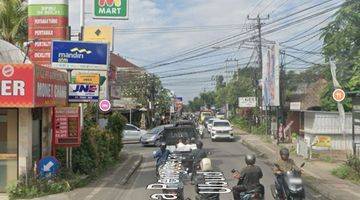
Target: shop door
(36, 134)
(8, 147)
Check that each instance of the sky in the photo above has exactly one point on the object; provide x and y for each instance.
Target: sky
(161, 29)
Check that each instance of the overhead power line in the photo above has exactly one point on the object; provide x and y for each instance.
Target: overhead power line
(243, 33)
(202, 71)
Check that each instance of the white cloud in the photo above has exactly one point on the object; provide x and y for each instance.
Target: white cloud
(165, 13)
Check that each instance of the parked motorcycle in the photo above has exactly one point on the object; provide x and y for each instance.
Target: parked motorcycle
(292, 188)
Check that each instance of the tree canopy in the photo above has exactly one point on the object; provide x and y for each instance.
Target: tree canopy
(13, 21)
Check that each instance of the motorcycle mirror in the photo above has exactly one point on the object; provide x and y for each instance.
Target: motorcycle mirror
(302, 165)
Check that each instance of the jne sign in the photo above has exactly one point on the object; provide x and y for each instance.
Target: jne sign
(83, 92)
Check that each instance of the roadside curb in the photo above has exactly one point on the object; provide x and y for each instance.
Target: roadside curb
(132, 170)
(130, 142)
(253, 148)
(309, 180)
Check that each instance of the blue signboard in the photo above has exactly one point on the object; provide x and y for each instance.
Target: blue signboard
(48, 166)
(79, 55)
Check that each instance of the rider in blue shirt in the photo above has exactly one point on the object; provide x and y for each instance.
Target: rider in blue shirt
(161, 155)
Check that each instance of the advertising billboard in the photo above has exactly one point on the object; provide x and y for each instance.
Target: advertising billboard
(29, 86)
(103, 82)
(50, 87)
(247, 102)
(88, 79)
(47, 20)
(271, 77)
(16, 85)
(80, 55)
(111, 9)
(103, 34)
(83, 93)
(66, 127)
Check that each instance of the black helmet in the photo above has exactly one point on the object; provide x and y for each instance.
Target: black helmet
(199, 144)
(250, 159)
(163, 145)
(284, 152)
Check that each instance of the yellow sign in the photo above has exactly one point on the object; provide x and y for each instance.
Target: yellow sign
(88, 79)
(99, 34)
(322, 141)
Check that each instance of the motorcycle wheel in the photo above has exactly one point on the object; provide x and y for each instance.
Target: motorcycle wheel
(273, 191)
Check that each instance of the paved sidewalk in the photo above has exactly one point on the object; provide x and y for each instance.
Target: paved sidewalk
(317, 174)
(109, 186)
(3, 196)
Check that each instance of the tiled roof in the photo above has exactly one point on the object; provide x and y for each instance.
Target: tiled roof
(10, 53)
(120, 62)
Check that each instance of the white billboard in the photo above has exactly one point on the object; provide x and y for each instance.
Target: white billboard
(271, 77)
(247, 102)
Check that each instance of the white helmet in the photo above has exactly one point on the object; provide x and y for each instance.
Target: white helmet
(205, 164)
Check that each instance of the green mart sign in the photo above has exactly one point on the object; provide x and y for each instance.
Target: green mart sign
(111, 9)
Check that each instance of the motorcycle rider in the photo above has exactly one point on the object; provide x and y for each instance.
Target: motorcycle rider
(283, 165)
(249, 178)
(205, 166)
(198, 154)
(161, 156)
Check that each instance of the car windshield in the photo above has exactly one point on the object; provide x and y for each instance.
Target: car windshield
(211, 121)
(155, 130)
(221, 124)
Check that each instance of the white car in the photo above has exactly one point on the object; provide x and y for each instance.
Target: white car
(132, 133)
(210, 123)
(221, 129)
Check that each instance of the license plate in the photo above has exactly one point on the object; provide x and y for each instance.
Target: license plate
(295, 181)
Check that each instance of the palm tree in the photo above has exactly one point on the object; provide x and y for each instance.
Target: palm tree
(13, 21)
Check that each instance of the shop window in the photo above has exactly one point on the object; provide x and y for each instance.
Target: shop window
(8, 146)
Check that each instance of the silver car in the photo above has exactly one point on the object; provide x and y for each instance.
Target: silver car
(132, 133)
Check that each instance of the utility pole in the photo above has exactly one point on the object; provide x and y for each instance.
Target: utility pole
(260, 62)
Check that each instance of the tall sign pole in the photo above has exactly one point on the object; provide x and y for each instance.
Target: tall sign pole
(340, 106)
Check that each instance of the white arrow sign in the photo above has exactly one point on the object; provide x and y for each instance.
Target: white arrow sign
(48, 166)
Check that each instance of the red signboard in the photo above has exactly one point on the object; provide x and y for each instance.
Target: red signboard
(66, 127)
(16, 85)
(28, 86)
(47, 21)
(47, 33)
(41, 44)
(39, 55)
(50, 87)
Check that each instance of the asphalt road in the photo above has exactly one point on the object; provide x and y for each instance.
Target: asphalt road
(225, 156)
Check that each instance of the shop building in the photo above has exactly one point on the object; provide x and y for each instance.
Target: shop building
(27, 94)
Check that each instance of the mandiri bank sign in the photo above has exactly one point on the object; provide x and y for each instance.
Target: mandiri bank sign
(29, 86)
